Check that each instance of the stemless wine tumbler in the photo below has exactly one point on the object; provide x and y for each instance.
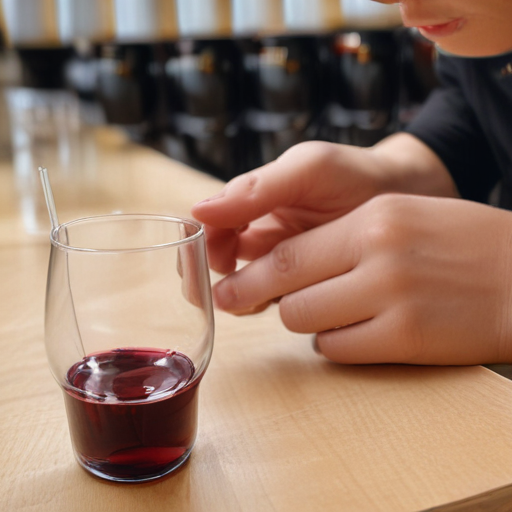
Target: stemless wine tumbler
(129, 335)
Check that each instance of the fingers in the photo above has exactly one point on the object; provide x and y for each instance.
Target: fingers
(293, 264)
(361, 343)
(247, 243)
(225, 246)
(262, 236)
(221, 245)
(287, 181)
(244, 199)
(338, 302)
(187, 270)
(247, 197)
(374, 341)
(310, 184)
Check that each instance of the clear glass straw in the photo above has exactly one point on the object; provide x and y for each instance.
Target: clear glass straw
(50, 203)
(48, 195)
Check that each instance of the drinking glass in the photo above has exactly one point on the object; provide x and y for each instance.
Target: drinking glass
(129, 335)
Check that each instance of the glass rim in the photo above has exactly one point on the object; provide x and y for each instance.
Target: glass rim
(147, 216)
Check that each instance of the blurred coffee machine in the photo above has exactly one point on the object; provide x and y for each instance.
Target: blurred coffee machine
(204, 78)
(44, 115)
(32, 28)
(364, 75)
(284, 52)
(131, 82)
(227, 85)
(85, 25)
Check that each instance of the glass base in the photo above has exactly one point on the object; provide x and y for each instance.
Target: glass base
(94, 468)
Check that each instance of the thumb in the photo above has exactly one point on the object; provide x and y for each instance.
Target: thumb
(283, 182)
(245, 198)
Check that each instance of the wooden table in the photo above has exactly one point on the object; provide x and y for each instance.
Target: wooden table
(281, 429)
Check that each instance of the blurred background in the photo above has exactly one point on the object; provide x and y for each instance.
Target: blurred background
(221, 85)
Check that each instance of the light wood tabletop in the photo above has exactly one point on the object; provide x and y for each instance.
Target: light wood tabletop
(280, 428)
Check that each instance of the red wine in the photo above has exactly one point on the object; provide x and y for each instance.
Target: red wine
(132, 412)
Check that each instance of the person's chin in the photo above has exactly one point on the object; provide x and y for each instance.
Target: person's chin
(464, 45)
(471, 49)
(461, 38)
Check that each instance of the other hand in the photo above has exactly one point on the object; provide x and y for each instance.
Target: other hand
(403, 279)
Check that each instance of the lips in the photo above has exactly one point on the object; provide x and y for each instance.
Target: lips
(441, 29)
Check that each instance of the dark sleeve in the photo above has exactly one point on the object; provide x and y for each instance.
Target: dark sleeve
(448, 125)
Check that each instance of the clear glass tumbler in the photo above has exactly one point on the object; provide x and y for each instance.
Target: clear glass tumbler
(129, 335)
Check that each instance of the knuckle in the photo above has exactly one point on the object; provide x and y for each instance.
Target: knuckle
(387, 204)
(399, 278)
(227, 293)
(382, 234)
(310, 151)
(284, 258)
(246, 183)
(295, 312)
(387, 223)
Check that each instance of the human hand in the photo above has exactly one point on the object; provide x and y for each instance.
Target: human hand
(309, 185)
(403, 279)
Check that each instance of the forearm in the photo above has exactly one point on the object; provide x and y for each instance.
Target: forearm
(406, 164)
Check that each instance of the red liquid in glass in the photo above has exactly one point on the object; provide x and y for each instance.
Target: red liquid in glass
(135, 416)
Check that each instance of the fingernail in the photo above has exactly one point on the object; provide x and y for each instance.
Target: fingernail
(225, 294)
(316, 347)
(213, 198)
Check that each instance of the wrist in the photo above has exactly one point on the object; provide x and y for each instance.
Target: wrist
(406, 164)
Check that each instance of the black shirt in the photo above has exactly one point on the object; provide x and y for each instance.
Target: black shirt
(468, 123)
